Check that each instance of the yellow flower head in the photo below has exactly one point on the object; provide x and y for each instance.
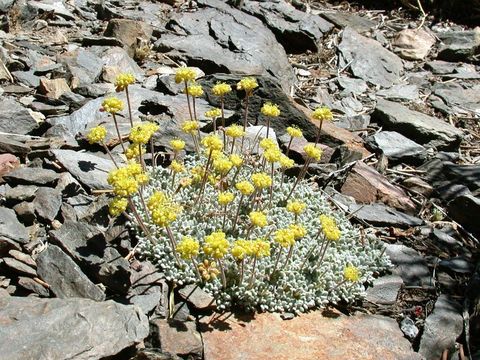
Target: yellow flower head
(260, 248)
(272, 155)
(286, 162)
(163, 210)
(222, 165)
(123, 80)
(236, 160)
(117, 206)
(242, 248)
(248, 84)
(141, 134)
(351, 273)
(330, 228)
(184, 74)
(190, 126)
(188, 248)
(195, 90)
(133, 151)
(221, 89)
(208, 270)
(186, 181)
(269, 109)
(216, 245)
(176, 167)
(177, 145)
(212, 143)
(268, 143)
(312, 151)
(294, 132)
(296, 207)
(112, 105)
(97, 134)
(285, 237)
(322, 113)
(125, 180)
(258, 218)
(234, 131)
(213, 113)
(245, 187)
(225, 198)
(261, 180)
(298, 231)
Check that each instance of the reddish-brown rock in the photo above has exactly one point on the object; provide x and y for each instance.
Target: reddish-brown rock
(8, 162)
(366, 185)
(307, 337)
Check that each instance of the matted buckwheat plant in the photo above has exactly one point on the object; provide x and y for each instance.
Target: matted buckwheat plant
(228, 218)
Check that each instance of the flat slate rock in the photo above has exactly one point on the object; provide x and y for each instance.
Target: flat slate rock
(81, 329)
(384, 290)
(397, 147)
(47, 203)
(11, 229)
(306, 337)
(64, 276)
(409, 265)
(458, 99)
(369, 60)
(15, 119)
(347, 19)
(382, 215)
(31, 176)
(465, 209)
(459, 45)
(421, 128)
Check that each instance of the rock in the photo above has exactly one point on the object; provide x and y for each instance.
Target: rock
(418, 185)
(455, 99)
(409, 265)
(11, 230)
(346, 19)
(408, 328)
(198, 298)
(353, 123)
(413, 44)
(32, 285)
(459, 45)
(384, 290)
(352, 85)
(21, 193)
(457, 264)
(25, 212)
(53, 88)
(25, 258)
(83, 67)
(5, 5)
(381, 215)
(154, 354)
(149, 287)
(417, 126)
(369, 60)
(402, 92)
(128, 31)
(296, 30)
(397, 148)
(65, 278)
(19, 267)
(176, 337)
(92, 330)
(9, 145)
(442, 328)
(440, 67)
(23, 122)
(100, 260)
(87, 168)
(47, 203)
(464, 209)
(29, 176)
(367, 186)
(56, 7)
(308, 336)
(8, 163)
(117, 57)
(243, 45)
(468, 175)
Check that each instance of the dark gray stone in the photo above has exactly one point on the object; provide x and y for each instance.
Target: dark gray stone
(82, 66)
(5, 5)
(369, 60)
(439, 67)
(442, 328)
(296, 30)
(409, 265)
(47, 203)
(459, 45)
(465, 209)
(468, 175)
(27, 78)
(118, 57)
(80, 329)
(14, 118)
(409, 328)
(347, 19)
(384, 290)
(19, 267)
(9, 145)
(65, 278)
(11, 229)
(232, 42)
(353, 123)
(458, 99)
(403, 92)
(417, 126)
(28, 176)
(32, 285)
(25, 212)
(397, 147)
(198, 298)
(352, 85)
(382, 215)
(457, 264)
(21, 193)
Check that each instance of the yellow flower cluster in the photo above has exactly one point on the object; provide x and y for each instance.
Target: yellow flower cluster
(208, 270)
(163, 210)
(330, 228)
(245, 187)
(260, 248)
(234, 131)
(258, 218)
(97, 134)
(351, 273)
(213, 113)
(125, 180)
(296, 207)
(222, 165)
(267, 143)
(298, 231)
(225, 198)
(212, 143)
(177, 144)
(221, 89)
(176, 167)
(272, 155)
(285, 237)
(261, 180)
(322, 113)
(236, 160)
(117, 206)
(133, 151)
(195, 90)
(123, 80)
(190, 126)
(286, 162)
(248, 84)
(269, 109)
(112, 105)
(188, 248)
(216, 245)
(312, 151)
(242, 248)
(141, 134)
(184, 74)
(294, 132)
